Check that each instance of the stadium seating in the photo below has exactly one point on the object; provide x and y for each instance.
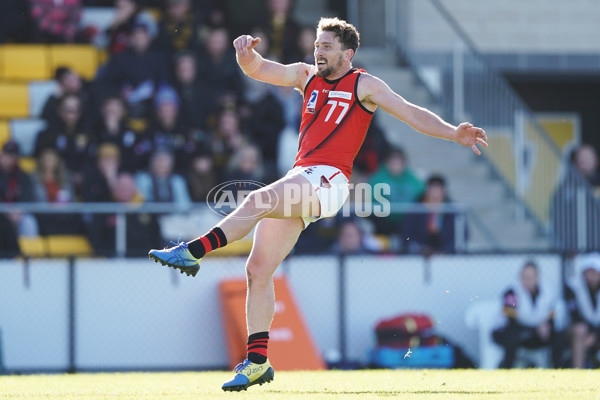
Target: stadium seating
(25, 62)
(68, 245)
(39, 91)
(4, 132)
(55, 246)
(81, 58)
(33, 246)
(24, 132)
(14, 100)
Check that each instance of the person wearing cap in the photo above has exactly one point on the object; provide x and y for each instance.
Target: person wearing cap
(582, 296)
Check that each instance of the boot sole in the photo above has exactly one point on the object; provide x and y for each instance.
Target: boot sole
(267, 377)
(189, 271)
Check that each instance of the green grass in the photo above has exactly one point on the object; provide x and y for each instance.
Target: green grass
(334, 385)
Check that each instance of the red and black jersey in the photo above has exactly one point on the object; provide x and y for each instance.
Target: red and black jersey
(334, 123)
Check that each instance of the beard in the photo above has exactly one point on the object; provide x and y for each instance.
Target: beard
(324, 73)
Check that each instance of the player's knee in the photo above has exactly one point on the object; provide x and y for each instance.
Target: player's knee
(258, 270)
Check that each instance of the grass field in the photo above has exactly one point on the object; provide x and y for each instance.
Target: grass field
(333, 385)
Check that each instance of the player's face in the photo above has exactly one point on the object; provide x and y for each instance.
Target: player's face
(329, 54)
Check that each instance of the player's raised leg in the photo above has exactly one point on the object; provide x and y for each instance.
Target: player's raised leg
(273, 240)
(290, 197)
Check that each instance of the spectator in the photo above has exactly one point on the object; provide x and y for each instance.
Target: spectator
(128, 13)
(373, 150)
(582, 295)
(264, 122)
(68, 135)
(432, 231)
(142, 228)
(246, 165)
(283, 31)
(179, 28)
(201, 176)
(16, 187)
(306, 45)
(9, 240)
(52, 184)
(528, 318)
(243, 15)
(577, 193)
(57, 20)
(227, 140)
(194, 102)
(100, 178)
(113, 129)
(136, 73)
(405, 187)
(69, 82)
(218, 70)
(161, 184)
(167, 131)
(354, 239)
(16, 24)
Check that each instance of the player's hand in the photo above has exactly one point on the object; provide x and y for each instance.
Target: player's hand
(244, 45)
(470, 136)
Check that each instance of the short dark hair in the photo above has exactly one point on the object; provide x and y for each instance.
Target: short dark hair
(436, 180)
(61, 72)
(344, 31)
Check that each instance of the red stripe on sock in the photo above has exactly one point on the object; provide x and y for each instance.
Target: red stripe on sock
(206, 243)
(261, 351)
(218, 241)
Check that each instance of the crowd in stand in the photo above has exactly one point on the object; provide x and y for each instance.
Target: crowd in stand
(170, 115)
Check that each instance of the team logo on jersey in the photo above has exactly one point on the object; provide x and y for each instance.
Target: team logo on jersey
(312, 102)
(341, 95)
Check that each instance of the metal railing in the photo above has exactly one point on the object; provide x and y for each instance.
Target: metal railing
(461, 213)
(521, 153)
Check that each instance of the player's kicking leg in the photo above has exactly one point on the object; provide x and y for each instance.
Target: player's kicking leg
(272, 201)
(273, 240)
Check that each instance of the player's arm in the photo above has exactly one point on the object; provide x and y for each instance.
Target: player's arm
(374, 92)
(255, 66)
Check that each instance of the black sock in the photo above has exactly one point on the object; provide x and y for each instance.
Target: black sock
(214, 239)
(257, 347)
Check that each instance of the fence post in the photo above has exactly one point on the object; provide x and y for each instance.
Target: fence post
(121, 235)
(342, 307)
(71, 315)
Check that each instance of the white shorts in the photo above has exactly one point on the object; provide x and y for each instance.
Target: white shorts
(331, 185)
